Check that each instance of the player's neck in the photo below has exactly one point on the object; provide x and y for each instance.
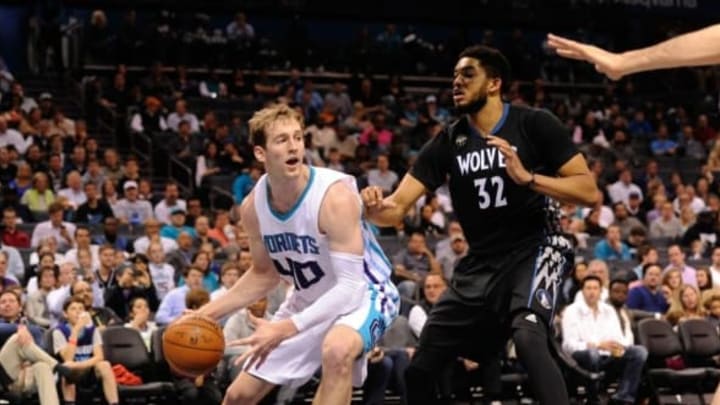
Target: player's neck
(284, 192)
(487, 118)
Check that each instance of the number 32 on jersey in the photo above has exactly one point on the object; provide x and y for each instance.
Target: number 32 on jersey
(491, 192)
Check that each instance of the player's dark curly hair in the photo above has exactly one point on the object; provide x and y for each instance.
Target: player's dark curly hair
(492, 60)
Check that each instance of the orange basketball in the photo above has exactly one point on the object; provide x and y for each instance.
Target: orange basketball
(193, 346)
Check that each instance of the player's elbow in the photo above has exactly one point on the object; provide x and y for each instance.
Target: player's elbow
(590, 194)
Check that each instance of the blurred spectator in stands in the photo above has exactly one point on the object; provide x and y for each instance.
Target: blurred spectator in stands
(86, 266)
(130, 210)
(230, 159)
(435, 112)
(83, 241)
(686, 306)
(648, 296)
(62, 125)
(95, 209)
(9, 136)
(112, 169)
(139, 319)
(229, 274)
(36, 307)
(207, 164)
(449, 259)
(145, 192)
(412, 263)
(202, 229)
(715, 267)
(635, 209)
(47, 247)
(434, 285)
(104, 276)
(157, 84)
(194, 210)
(74, 192)
(8, 169)
(181, 146)
(183, 86)
(428, 223)
(618, 299)
(127, 287)
(131, 171)
(668, 225)
(378, 137)
(704, 230)
(571, 285)
(173, 305)
(693, 148)
(243, 183)
(620, 191)
(334, 160)
(382, 176)
(181, 257)
(171, 202)
(202, 260)
(676, 257)
(94, 174)
(77, 161)
(621, 148)
(659, 199)
(101, 315)
(409, 114)
(593, 336)
(687, 219)
(39, 196)
(647, 254)
(598, 268)
(163, 274)
(606, 216)
(56, 171)
(180, 114)
(213, 87)
(337, 101)
(116, 96)
(150, 119)
(663, 145)
(12, 236)
(322, 133)
(177, 225)
(6, 281)
(152, 234)
(686, 198)
(612, 247)
(55, 227)
(111, 236)
(65, 277)
(240, 31)
(704, 279)
(240, 87)
(98, 40)
(704, 133)
(220, 225)
(265, 87)
(639, 127)
(624, 221)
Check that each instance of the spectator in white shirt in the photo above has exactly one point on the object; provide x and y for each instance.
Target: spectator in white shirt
(606, 213)
(9, 136)
(620, 190)
(229, 274)
(676, 257)
(434, 286)
(592, 335)
(130, 209)
(58, 296)
(382, 176)
(162, 274)
(83, 241)
(458, 250)
(667, 225)
(715, 267)
(171, 202)
(54, 227)
(181, 114)
(152, 233)
(74, 191)
(686, 198)
(599, 269)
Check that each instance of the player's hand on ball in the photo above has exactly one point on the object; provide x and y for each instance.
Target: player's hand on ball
(267, 336)
(374, 201)
(513, 165)
(607, 63)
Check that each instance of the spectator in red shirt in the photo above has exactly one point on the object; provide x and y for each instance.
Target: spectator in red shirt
(704, 132)
(377, 136)
(11, 235)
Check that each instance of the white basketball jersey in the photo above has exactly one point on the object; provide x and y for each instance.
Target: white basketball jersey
(299, 250)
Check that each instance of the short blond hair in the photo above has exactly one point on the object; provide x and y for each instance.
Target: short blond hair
(262, 119)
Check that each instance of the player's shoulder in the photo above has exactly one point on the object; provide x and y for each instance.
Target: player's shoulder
(524, 112)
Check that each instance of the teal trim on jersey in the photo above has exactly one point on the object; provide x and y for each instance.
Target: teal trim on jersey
(503, 118)
(375, 248)
(285, 216)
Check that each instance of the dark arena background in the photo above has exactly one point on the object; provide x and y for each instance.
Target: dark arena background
(125, 155)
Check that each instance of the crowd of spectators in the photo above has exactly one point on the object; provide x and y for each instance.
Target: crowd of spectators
(85, 231)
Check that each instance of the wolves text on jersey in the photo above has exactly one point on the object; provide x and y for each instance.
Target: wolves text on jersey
(290, 242)
(479, 160)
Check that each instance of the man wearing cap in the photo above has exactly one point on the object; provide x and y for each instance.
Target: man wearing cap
(177, 225)
(171, 202)
(435, 112)
(131, 210)
(449, 259)
(47, 106)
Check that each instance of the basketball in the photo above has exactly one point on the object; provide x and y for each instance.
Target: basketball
(193, 346)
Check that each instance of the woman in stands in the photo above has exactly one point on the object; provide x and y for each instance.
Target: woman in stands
(138, 319)
(671, 283)
(685, 306)
(704, 279)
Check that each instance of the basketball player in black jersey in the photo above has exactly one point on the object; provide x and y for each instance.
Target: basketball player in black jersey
(504, 163)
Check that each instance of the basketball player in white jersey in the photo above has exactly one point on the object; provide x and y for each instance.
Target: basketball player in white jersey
(305, 226)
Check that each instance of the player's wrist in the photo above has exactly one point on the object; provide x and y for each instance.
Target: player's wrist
(530, 180)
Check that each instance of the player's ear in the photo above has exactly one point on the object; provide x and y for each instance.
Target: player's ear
(494, 85)
(259, 153)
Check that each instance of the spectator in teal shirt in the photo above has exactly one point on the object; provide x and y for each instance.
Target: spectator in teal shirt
(245, 182)
(612, 247)
(177, 225)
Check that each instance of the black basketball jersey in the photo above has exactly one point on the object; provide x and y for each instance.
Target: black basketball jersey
(496, 214)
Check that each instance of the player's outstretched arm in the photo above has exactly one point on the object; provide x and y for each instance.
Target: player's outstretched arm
(389, 211)
(697, 48)
(340, 216)
(257, 282)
